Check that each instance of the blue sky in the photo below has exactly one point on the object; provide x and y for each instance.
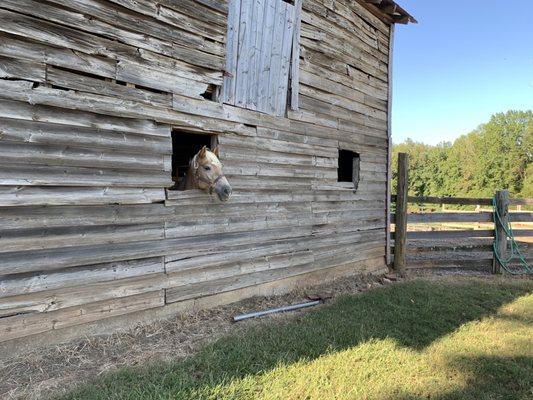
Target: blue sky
(464, 61)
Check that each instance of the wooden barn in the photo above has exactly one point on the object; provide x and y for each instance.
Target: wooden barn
(103, 103)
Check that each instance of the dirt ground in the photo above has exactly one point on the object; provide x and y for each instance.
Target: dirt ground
(44, 372)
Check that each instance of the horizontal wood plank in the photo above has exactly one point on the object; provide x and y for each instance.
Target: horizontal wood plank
(20, 196)
(30, 283)
(25, 325)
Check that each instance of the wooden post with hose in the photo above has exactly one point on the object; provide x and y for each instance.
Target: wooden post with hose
(500, 236)
(400, 235)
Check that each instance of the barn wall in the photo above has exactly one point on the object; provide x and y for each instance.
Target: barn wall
(89, 95)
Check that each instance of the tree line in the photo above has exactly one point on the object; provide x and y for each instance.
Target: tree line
(496, 155)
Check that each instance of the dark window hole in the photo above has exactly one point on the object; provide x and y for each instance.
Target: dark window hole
(349, 167)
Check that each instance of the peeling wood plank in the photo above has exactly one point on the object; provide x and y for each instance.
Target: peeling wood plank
(12, 68)
(154, 78)
(20, 196)
(16, 47)
(61, 116)
(32, 324)
(24, 284)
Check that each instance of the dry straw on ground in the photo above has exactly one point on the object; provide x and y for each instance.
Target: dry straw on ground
(43, 372)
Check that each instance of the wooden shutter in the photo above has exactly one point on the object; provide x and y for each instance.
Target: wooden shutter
(260, 45)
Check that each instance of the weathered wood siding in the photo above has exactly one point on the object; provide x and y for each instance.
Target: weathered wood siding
(90, 91)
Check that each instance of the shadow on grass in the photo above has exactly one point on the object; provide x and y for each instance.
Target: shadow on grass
(501, 378)
(414, 314)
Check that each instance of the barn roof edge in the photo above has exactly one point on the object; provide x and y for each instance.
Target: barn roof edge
(390, 10)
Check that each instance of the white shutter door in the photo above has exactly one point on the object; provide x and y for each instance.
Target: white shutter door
(259, 49)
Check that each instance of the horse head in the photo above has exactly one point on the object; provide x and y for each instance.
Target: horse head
(207, 172)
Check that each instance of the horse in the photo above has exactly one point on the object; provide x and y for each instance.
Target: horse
(205, 173)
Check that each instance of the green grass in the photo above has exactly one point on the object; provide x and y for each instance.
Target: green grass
(414, 340)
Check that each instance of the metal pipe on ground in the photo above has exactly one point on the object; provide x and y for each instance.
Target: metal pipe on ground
(241, 317)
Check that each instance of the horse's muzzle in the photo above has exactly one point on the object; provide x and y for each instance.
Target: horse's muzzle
(223, 189)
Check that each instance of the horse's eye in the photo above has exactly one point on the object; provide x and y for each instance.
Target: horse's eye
(207, 168)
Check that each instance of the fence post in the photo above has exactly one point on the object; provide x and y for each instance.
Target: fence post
(400, 235)
(500, 237)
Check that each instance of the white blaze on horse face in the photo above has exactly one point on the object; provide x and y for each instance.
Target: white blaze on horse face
(213, 159)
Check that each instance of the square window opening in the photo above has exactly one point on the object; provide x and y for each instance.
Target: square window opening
(212, 93)
(185, 145)
(349, 167)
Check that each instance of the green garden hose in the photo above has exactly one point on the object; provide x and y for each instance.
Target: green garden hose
(514, 250)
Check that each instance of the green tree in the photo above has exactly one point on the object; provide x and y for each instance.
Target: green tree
(496, 155)
(527, 188)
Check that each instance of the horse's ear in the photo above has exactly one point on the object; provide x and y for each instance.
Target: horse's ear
(202, 152)
(216, 152)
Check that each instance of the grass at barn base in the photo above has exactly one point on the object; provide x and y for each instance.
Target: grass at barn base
(412, 340)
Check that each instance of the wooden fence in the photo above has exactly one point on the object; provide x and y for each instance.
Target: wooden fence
(455, 239)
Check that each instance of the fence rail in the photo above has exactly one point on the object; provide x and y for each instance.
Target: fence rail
(465, 201)
(481, 217)
(460, 246)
